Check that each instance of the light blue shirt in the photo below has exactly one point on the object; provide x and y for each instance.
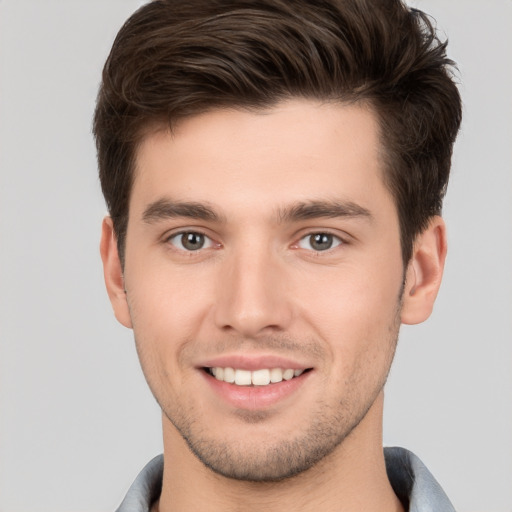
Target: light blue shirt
(412, 482)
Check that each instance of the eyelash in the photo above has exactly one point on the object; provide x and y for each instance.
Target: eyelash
(179, 236)
(336, 241)
(208, 242)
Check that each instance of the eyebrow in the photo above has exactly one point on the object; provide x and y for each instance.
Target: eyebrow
(167, 209)
(163, 209)
(322, 209)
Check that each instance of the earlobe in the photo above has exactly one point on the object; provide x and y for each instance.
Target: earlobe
(424, 273)
(113, 273)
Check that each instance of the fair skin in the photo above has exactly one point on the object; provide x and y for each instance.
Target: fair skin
(264, 242)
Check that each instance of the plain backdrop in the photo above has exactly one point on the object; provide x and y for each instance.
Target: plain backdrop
(77, 421)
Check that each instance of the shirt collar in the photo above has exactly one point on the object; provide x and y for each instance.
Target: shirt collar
(412, 482)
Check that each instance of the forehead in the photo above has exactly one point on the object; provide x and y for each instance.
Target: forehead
(296, 150)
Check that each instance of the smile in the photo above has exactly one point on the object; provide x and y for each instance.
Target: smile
(261, 377)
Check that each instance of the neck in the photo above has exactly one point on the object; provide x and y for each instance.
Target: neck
(352, 478)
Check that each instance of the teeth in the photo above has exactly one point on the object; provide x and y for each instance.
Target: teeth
(288, 374)
(229, 375)
(243, 378)
(276, 375)
(256, 378)
(261, 377)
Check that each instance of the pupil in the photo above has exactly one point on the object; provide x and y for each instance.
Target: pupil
(192, 241)
(321, 241)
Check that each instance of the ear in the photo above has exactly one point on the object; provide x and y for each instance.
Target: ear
(424, 273)
(113, 273)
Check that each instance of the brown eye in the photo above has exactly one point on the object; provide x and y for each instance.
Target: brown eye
(319, 242)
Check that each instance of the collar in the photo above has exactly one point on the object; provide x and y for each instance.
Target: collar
(412, 482)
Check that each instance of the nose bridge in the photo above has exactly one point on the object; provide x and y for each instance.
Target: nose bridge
(251, 296)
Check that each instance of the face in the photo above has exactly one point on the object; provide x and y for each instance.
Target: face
(263, 279)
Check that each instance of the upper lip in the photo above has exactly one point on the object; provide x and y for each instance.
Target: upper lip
(253, 362)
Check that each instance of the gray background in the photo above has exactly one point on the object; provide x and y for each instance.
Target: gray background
(76, 420)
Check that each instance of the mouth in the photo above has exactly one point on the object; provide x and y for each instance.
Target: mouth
(259, 377)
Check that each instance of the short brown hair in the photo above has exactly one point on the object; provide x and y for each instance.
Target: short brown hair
(173, 59)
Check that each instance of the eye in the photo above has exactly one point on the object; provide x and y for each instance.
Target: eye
(319, 242)
(190, 241)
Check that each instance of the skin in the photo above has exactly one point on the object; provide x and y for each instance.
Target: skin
(259, 288)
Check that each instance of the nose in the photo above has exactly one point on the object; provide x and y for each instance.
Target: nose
(253, 295)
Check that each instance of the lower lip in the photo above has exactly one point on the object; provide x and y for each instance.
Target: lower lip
(254, 398)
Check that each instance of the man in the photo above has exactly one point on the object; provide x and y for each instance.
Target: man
(274, 173)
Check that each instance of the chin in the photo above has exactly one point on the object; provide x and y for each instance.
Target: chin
(273, 457)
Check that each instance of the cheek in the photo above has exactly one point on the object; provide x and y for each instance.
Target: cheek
(161, 295)
(354, 309)
(355, 292)
(166, 309)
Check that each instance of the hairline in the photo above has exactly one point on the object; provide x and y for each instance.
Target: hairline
(158, 125)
